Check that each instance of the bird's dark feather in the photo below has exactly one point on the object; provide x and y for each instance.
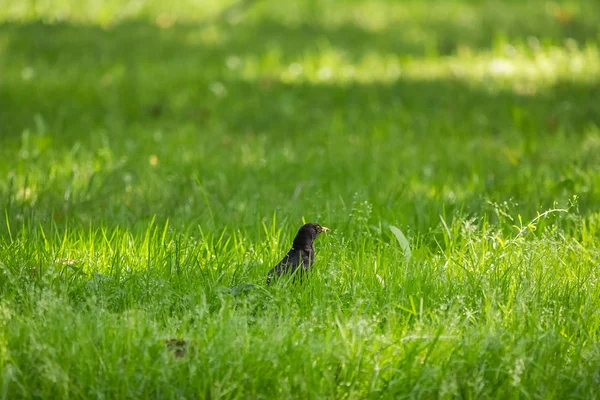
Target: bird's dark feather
(302, 254)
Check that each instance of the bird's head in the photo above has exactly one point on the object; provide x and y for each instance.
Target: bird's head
(307, 233)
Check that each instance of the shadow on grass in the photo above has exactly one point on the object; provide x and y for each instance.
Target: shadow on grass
(136, 72)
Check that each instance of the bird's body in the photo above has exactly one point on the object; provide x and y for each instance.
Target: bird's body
(302, 253)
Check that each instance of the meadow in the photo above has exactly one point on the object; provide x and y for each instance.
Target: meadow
(157, 159)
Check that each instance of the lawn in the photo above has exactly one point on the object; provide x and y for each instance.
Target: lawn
(157, 159)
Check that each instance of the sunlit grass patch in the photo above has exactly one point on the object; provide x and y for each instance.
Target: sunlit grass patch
(522, 68)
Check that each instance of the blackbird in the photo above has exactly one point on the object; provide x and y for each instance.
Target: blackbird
(302, 252)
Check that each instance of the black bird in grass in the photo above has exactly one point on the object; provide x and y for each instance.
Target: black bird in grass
(302, 253)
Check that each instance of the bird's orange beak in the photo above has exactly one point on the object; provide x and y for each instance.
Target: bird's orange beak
(324, 229)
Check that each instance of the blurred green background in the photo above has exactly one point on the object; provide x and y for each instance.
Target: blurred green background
(118, 110)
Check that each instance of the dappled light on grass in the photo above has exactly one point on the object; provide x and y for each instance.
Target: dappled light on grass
(522, 68)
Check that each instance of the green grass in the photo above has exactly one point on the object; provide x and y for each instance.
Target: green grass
(156, 158)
